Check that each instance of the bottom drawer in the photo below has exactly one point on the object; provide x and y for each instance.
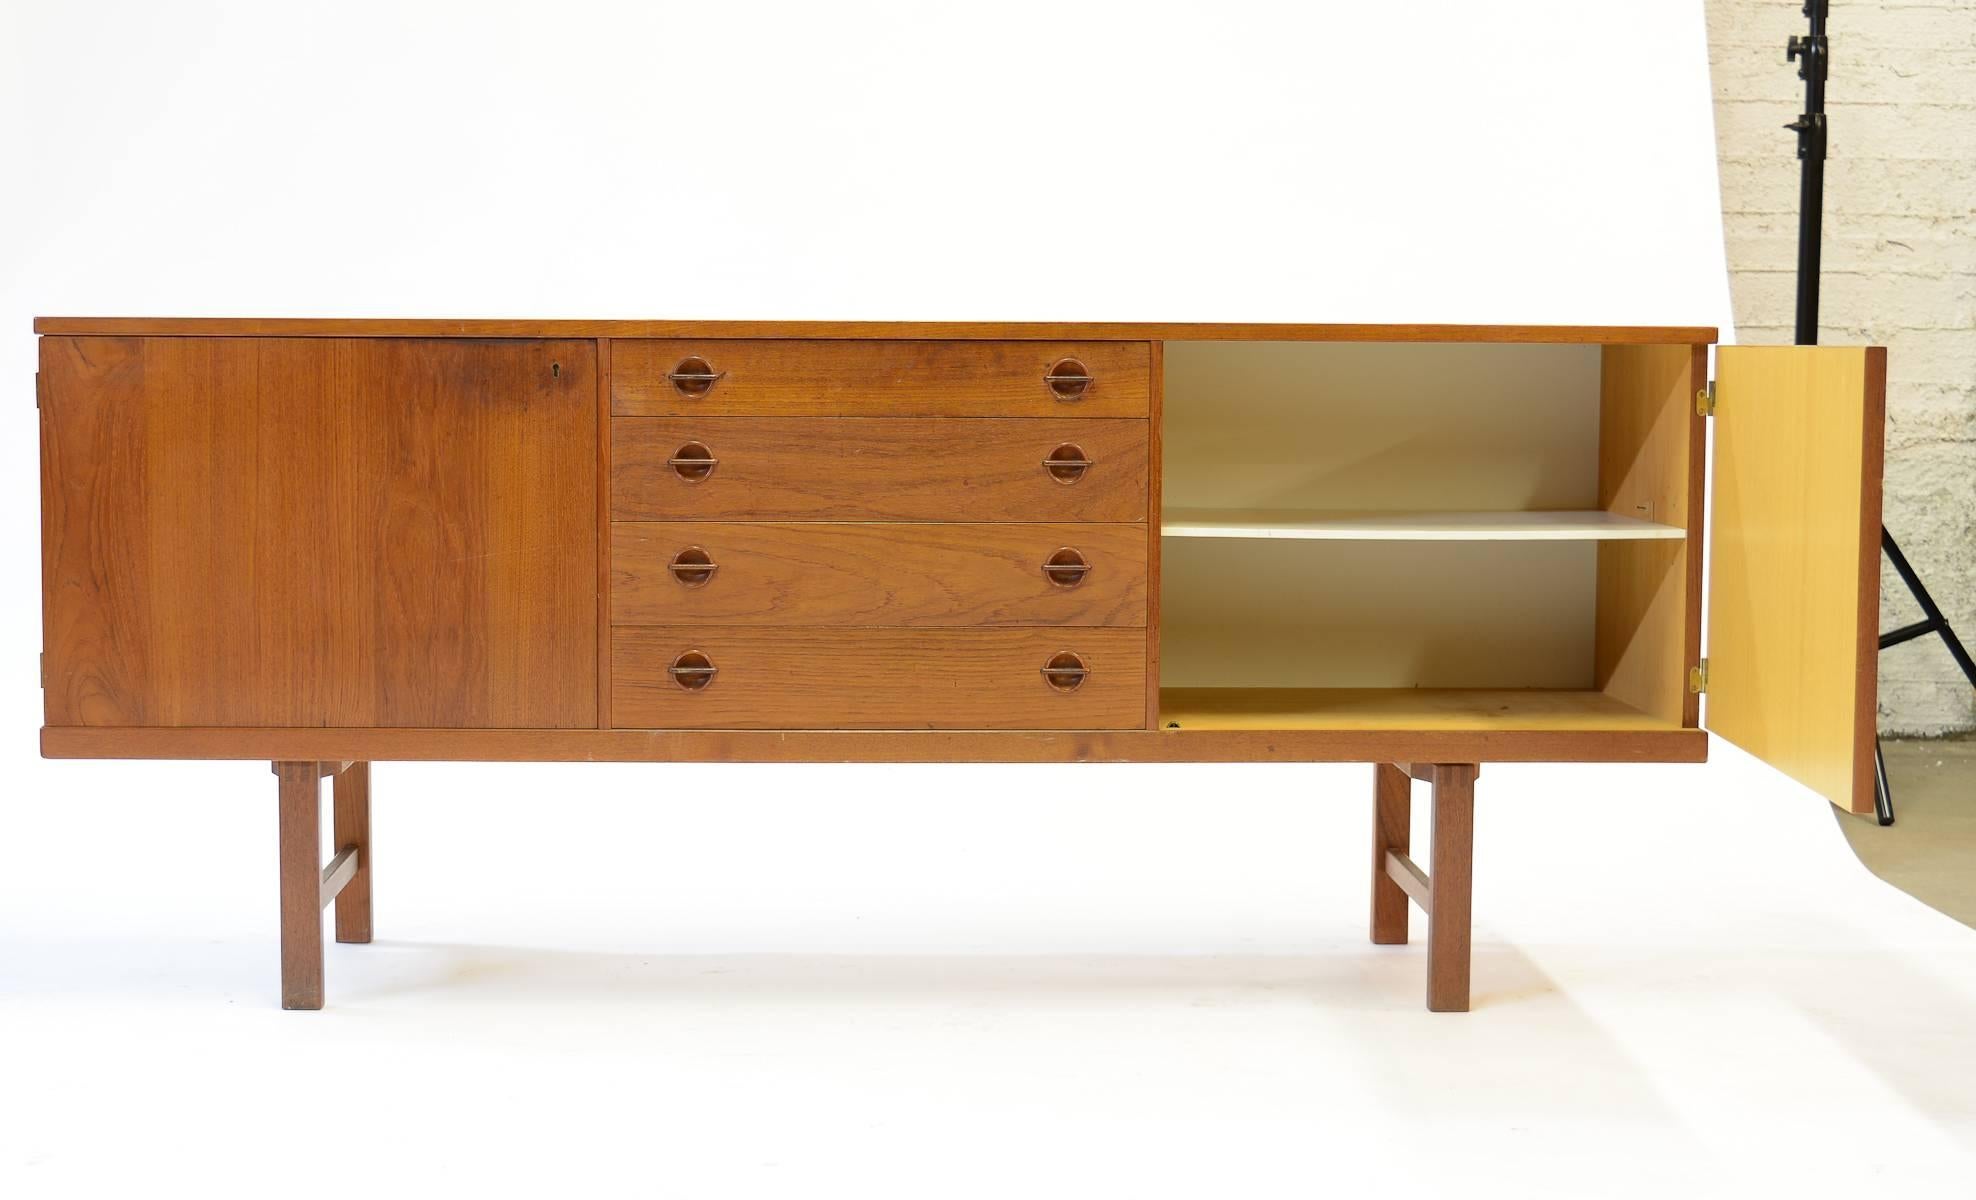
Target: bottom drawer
(694, 677)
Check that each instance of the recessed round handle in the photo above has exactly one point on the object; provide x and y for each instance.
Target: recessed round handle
(693, 671)
(1066, 568)
(1068, 380)
(692, 567)
(694, 377)
(693, 462)
(1065, 672)
(1067, 463)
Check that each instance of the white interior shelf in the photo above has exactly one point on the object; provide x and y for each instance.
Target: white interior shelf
(1575, 526)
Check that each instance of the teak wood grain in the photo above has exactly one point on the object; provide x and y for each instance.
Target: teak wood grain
(1132, 331)
(877, 678)
(892, 745)
(603, 518)
(1155, 508)
(878, 377)
(299, 828)
(1451, 885)
(866, 574)
(1392, 831)
(350, 823)
(319, 532)
(877, 469)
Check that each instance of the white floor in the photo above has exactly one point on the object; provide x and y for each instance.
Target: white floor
(989, 981)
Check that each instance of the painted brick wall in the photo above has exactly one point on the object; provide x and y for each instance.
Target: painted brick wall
(1899, 271)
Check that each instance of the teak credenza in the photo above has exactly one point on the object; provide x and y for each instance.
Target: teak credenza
(329, 543)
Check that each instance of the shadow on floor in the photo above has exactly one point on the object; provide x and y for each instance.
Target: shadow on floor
(1929, 851)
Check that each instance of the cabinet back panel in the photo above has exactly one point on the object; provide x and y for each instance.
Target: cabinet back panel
(319, 532)
(1380, 428)
(1237, 613)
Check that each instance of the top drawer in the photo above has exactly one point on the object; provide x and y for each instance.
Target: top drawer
(745, 377)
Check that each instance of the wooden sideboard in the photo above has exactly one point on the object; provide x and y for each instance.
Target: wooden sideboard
(330, 543)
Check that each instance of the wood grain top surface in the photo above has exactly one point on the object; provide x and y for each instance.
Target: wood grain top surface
(959, 330)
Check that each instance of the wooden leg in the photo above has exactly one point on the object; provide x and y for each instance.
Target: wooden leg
(351, 826)
(301, 883)
(1392, 819)
(1450, 887)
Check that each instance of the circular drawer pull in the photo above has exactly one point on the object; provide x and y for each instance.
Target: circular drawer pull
(1067, 463)
(1068, 380)
(692, 670)
(1066, 568)
(693, 377)
(692, 568)
(693, 462)
(1065, 671)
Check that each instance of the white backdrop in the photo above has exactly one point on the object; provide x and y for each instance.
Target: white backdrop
(551, 999)
(1236, 160)
(1435, 160)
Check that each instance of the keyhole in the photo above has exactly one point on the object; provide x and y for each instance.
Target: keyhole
(555, 370)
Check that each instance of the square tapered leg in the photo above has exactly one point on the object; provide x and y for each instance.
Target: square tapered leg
(300, 821)
(1451, 886)
(351, 824)
(1392, 816)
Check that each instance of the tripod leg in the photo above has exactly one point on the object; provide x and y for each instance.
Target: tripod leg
(1883, 795)
(1933, 620)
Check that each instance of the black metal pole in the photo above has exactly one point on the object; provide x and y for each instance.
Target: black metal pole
(1810, 128)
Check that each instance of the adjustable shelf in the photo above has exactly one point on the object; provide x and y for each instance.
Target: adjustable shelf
(1571, 526)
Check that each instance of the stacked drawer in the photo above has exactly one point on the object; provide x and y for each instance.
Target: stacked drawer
(879, 535)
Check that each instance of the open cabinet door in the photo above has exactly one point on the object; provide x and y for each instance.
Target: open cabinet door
(1794, 575)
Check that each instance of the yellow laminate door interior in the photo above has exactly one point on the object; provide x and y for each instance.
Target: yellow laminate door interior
(1794, 583)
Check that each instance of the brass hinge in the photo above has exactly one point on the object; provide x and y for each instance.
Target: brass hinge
(37, 389)
(1698, 678)
(44, 669)
(1705, 399)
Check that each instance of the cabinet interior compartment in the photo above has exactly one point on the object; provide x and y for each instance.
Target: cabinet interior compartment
(1428, 535)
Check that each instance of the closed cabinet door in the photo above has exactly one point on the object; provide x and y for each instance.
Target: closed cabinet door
(339, 532)
(1794, 574)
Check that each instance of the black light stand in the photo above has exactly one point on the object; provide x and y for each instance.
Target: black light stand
(1810, 128)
